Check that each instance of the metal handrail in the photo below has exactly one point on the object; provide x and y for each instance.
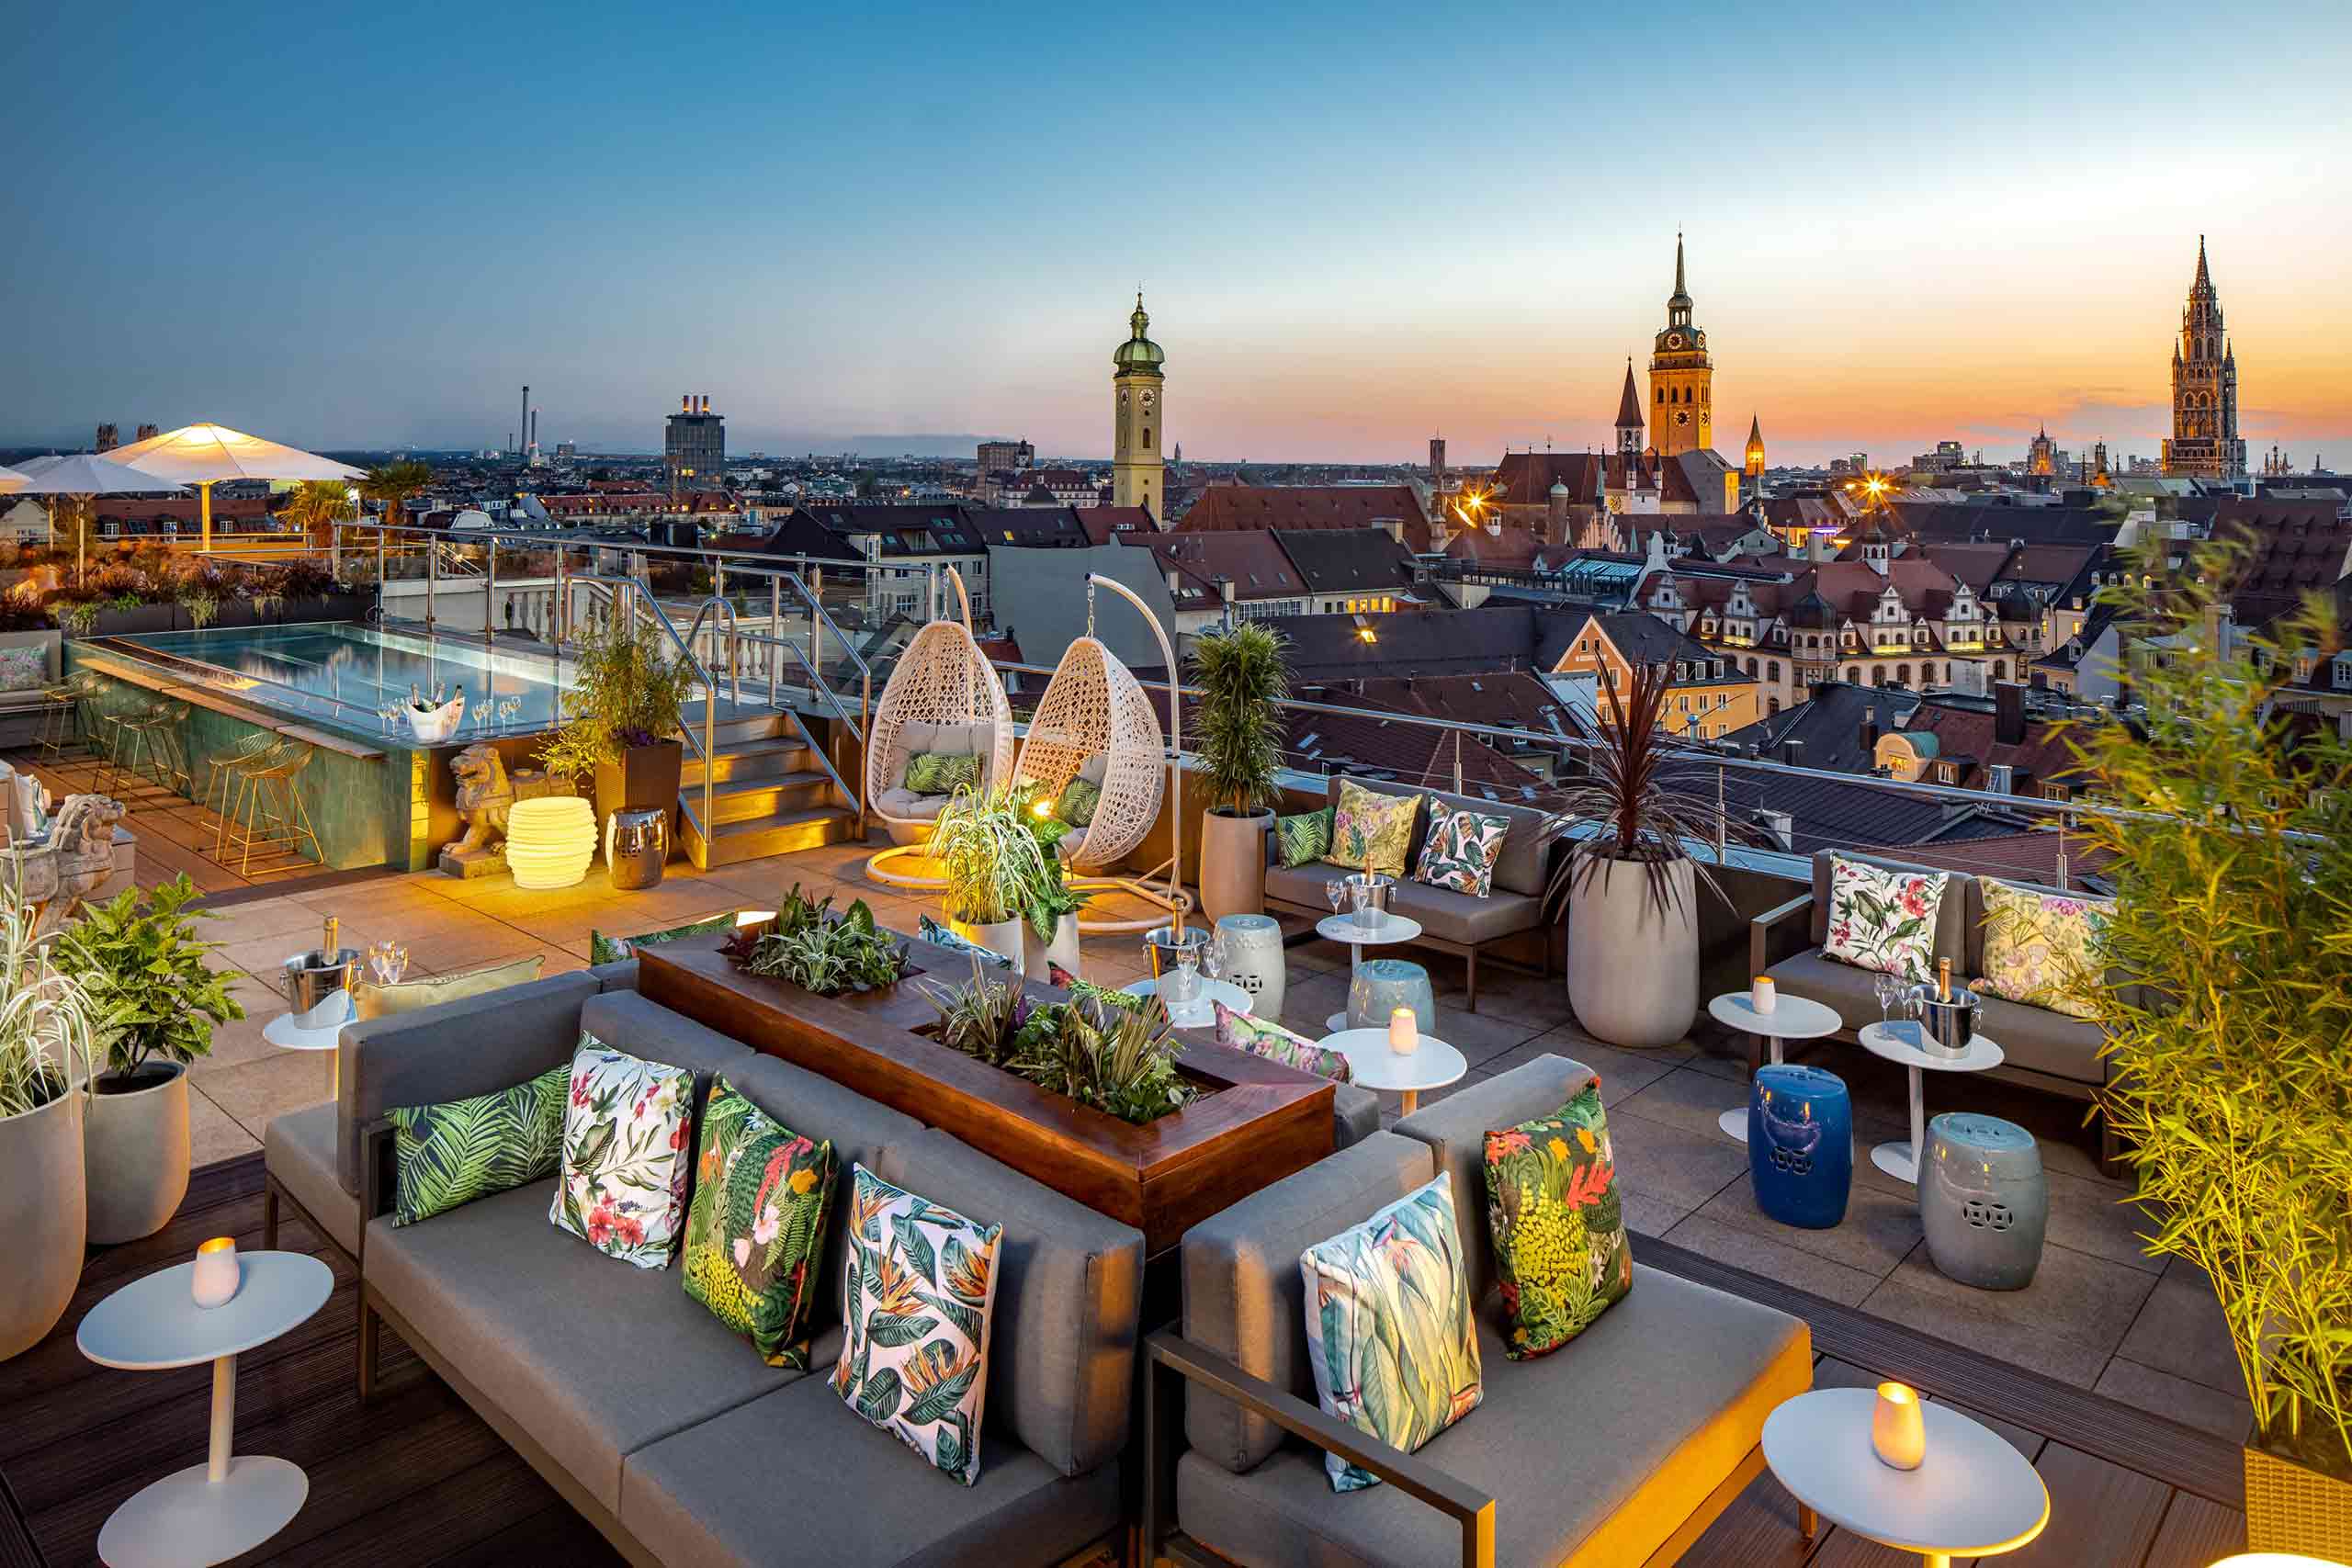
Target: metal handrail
(708, 748)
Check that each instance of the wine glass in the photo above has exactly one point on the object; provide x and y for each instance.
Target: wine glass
(1360, 895)
(508, 706)
(1335, 891)
(388, 959)
(1889, 989)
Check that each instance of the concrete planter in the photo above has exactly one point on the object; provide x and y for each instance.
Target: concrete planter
(44, 1216)
(1062, 950)
(1233, 863)
(997, 936)
(136, 1152)
(1634, 970)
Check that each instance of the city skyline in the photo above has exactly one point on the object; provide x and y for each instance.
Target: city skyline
(1330, 284)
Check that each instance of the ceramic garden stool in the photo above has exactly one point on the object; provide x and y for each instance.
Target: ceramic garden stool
(1252, 946)
(1983, 1200)
(1381, 986)
(1801, 1145)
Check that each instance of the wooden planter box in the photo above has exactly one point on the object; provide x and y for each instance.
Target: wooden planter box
(1253, 1124)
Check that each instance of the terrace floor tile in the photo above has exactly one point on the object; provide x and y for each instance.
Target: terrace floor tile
(2225, 1414)
(1745, 1246)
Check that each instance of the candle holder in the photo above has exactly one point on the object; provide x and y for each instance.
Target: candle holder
(1899, 1432)
(1762, 993)
(1404, 1032)
(217, 1274)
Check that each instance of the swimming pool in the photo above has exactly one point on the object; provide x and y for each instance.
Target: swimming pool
(345, 675)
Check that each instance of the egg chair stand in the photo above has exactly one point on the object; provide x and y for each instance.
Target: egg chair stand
(942, 694)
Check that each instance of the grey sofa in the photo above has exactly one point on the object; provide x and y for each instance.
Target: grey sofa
(1617, 1450)
(663, 1428)
(1451, 922)
(2041, 1049)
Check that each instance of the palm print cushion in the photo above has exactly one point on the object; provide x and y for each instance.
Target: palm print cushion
(917, 1294)
(626, 1131)
(1264, 1037)
(1371, 831)
(756, 1228)
(1882, 918)
(942, 772)
(452, 1153)
(1390, 1330)
(603, 949)
(1078, 799)
(1304, 838)
(1559, 1229)
(2041, 949)
(1460, 851)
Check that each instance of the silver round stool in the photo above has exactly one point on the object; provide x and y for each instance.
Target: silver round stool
(1983, 1200)
(636, 846)
(1383, 985)
(1252, 947)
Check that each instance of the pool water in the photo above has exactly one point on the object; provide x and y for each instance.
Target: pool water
(346, 673)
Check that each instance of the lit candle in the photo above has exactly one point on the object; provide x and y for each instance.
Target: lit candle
(1404, 1032)
(1898, 1436)
(1761, 993)
(217, 1276)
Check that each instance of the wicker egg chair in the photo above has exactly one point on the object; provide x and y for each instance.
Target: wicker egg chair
(1093, 707)
(942, 695)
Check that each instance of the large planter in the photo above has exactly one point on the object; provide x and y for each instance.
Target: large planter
(1036, 955)
(2290, 1506)
(131, 623)
(1233, 862)
(135, 1151)
(1634, 970)
(44, 1216)
(1000, 936)
(645, 775)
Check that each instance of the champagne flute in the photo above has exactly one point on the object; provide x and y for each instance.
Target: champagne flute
(1335, 891)
(388, 959)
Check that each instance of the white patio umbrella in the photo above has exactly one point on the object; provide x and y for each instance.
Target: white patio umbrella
(203, 455)
(10, 480)
(80, 475)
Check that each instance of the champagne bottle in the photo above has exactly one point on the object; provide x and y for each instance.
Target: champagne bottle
(328, 954)
(1943, 979)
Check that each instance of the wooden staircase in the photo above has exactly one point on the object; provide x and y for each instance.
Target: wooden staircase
(771, 793)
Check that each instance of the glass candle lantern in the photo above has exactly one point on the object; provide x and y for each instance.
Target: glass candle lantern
(1899, 1432)
(1404, 1032)
(216, 1276)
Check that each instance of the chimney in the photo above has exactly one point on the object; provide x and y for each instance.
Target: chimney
(1869, 734)
(2008, 713)
(1792, 753)
(1781, 825)
(685, 402)
(1175, 583)
(1395, 527)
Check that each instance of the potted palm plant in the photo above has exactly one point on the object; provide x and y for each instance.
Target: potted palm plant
(1242, 680)
(2226, 1065)
(621, 716)
(994, 868)
(1628, 879)
(138, 960)
(47, 1055)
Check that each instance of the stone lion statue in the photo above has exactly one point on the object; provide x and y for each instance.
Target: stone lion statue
(484, 797)
(76, 858)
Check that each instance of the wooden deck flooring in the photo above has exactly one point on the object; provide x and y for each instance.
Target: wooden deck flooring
(417, 1479)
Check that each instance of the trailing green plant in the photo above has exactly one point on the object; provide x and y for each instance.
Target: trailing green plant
(202, 607)
(141, 963)
(49, 1035)
(1242, 677)
(2227, 1074)
(1101, 1048)
(625, 693)
(1052, 897)
(994, 865)
(77, 616)
(806, 945)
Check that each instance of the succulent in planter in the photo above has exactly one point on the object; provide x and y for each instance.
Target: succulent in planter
(1101, 1048)
(806, 945)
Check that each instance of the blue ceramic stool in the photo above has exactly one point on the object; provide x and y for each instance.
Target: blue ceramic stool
(1800, 1144)
(1383, 985)
(1983, 1200)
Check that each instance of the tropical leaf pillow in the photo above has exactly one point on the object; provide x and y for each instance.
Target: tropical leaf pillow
(1371, 831)
(1304, 839)
(1559, 1229)
(454, 1153)
(603, 949)
(1264, 1037)
(755, 1232)
(622, 1187)
(917, 1296)
(1882, 918)
(1461, 850)
(2042, 948)
(1389, 1330)
(942, 772)
(931, 932)
(1080, 798)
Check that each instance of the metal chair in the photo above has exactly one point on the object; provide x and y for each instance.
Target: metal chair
(237, 790)
(220, 768)
(120, 733)
(150, 747)
(273, 800)
(63, 716)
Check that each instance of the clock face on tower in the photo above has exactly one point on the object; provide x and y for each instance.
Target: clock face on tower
(1682, 416)
(1674, 340)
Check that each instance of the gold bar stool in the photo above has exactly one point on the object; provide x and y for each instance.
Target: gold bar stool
(122, 738)
(276, 804)
(151, 746)
(220, 769)
(238, 791)
(64, 714)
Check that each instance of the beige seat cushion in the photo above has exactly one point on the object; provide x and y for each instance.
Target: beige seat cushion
(369, 1000)
(299, 1152)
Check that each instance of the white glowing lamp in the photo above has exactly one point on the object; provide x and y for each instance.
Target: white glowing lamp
(549, 840)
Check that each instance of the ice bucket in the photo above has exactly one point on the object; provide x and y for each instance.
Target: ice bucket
(314, 979)
(1948, 1025)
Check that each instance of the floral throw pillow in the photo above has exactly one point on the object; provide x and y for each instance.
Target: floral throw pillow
(603, 949)
(1264, 1037)
(24, 668)
(1884, 920)
(917, 1295)
(1371, 831)
(1460, 851)
(2042, 948)
(1304, 839)
(623, 1185)
(755, 1232)
(1390, 1330)
(1559, 1229)
(464, 1149)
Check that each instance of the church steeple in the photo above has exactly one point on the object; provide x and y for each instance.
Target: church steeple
(2205, 442)
(1629, 414)
(1138, 477)
(1754, 465)
(1681, 375)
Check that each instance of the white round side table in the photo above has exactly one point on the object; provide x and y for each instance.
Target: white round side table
(286, 1033)
(1902, 1160)
(1371, 1064)
(1973, 1495)
(1197, 1013)
(227, 1506)
(1360, 930)
(1791, 1018)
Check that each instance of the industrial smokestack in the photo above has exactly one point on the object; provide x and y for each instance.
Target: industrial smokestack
(685, 402)
(535, 428)
(527, 409)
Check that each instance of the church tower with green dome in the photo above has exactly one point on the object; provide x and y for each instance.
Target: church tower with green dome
(1138, 427)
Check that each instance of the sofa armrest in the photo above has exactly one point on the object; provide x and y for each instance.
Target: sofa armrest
(1763, 931)
(1173, 1358)
(378, 1175)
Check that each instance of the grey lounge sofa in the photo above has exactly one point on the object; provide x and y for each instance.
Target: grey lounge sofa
(1451, 922)
(1617, 1450)
(664, 1429)
(2042, 1049)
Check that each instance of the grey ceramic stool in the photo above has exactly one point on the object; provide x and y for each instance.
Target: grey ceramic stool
(1983, 1200)
(1252, 949)
(1383, 985)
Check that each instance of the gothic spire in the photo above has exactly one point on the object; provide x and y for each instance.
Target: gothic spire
(2203, 280)
(1681, 293)
(1629, 405)
(1755, 430)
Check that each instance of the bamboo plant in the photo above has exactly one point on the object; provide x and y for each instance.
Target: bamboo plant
(1238, 733)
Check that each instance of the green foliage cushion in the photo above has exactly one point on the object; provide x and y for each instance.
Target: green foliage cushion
(452, 1153)
(1460, 850)
(1558, 1227)
(1304, 839)
(603, 949)
(1079, 800)
(942, 772)
(755, 1232)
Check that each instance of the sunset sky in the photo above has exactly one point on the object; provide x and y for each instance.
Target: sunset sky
(1356, 226)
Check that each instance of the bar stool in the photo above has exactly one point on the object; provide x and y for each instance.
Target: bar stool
(220, 768)
(150, 747)
(238, 789)
(273, 800)
(120, 735)
(64, 714)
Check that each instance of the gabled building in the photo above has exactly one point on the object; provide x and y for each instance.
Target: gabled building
(1711, 695)
(1396, 508)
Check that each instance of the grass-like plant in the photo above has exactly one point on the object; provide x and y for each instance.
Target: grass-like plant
(1101, 1048)
(1241, 675)
(2229, 1075)
(141, 964)
(48, 1039)
(807, 946)
(993, 863)
(626, 692)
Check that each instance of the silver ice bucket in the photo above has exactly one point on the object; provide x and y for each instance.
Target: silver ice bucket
(1948, 1026)
(315, 978)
